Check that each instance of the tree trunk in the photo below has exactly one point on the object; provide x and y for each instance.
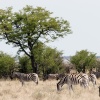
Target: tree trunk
(43, 71)
(33, 64)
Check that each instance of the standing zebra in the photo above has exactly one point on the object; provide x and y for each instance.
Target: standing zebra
(73, 79)
(25, 77)
(92, 78)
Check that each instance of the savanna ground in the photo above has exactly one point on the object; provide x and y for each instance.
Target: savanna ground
(13, 90)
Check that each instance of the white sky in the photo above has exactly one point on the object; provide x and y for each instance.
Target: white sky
(84, 18)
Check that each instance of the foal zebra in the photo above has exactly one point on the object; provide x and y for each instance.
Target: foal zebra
(25, 77)
(73, 79)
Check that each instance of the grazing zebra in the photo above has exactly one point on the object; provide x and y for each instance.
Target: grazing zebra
(73, 79)
(92, 78)
(59, 76)
(25, 77)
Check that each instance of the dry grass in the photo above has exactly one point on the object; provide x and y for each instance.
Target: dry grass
(13, 90)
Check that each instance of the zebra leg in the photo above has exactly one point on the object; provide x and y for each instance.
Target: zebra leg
(58, 87)
(94, 83)
(86, 85)
(99, 91)
(70, 87)
(22, 81)
(37, 81)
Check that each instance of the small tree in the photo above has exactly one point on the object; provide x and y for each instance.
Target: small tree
(7, 63)
(48, 60)
(30, 25)
(84, 60)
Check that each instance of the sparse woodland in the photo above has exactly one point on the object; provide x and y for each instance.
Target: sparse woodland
(30, 30)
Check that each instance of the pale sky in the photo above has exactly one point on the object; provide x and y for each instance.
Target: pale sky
(84, 18)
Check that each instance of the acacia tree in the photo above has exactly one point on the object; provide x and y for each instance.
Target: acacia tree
(23, 29)
(84, 60)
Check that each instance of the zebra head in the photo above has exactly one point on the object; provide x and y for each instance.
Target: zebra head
(60, 76)
(62, 81)
(15, 75)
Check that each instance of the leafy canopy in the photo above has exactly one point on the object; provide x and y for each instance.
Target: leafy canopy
(49, 59)
(28, 26)
(6, 64)
(84, 60)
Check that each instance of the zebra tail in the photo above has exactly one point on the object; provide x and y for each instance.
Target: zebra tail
(95, 82)
(37, 81)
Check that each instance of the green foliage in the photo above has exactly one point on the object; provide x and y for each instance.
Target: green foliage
(6, 64)
(84, 60)
(24, 64)
(24, 28)
(48, 59)
(30, 25)
(98, 65)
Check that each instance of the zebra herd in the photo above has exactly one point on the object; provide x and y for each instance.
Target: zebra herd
(69, 79)
(74, 79)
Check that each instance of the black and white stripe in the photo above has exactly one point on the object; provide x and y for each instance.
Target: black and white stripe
(25, 77)
(73, 79)
(92, 78)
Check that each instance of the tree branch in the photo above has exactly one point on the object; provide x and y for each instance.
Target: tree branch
(18, 43)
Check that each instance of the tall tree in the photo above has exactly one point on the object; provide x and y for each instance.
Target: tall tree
(84, 60)
(25, 28)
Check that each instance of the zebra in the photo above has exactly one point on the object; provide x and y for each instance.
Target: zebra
(25, 77)
(92, 78)
(73, 79)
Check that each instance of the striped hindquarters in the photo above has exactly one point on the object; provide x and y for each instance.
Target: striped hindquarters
(31, 77)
